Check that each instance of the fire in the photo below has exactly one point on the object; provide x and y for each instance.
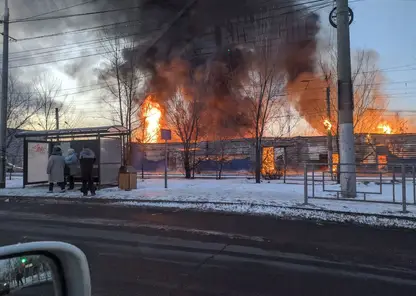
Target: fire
(151, 114)
(268, 164)
(327, 124)
(335, 162)
(385, 128)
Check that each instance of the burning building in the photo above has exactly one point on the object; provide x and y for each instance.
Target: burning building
(237, 156)
(203, 53)
(195, 53)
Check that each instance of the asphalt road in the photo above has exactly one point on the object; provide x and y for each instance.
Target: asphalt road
(42, 289)
(134, 251)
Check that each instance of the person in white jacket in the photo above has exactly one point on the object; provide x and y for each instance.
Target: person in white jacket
(55, 169)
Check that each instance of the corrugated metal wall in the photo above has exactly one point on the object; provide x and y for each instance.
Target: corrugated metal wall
(239, 153)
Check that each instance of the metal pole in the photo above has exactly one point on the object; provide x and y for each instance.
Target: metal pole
(414, 185)
(394, 183)
(404, 188)
(4, 88)
(329, 137)
(313, 181)
(166, 164)
(57, 121)
(305, 184)
(345, 102)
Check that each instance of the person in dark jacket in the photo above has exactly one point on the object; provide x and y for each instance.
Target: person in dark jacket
(19, 277)
(71, 162)
(55, 169)
(86, 161)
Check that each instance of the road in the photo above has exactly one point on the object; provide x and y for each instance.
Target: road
(137, 251)
(41, 289)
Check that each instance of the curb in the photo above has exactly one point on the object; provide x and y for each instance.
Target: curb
(109, 201)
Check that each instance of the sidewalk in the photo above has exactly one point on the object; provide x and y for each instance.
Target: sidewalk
(241, 196)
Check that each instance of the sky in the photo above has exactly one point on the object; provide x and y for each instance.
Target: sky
(381, 25)
(386, 26)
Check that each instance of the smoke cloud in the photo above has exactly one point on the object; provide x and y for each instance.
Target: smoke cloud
(220, 37)
(179, 38)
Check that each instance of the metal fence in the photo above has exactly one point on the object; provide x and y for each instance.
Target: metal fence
(391, 183)
(32, 279)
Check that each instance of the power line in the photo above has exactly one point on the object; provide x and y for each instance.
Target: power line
(277, 8)
(59, 9)
(83, 30)
(104, 39)
(87, 42)
(69, 51)
(73, 15)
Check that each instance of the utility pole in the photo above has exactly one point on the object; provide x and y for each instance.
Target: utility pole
(289, 117)
(166, 163)
(329, 137)
(345, 102)
(57, 121)
(4, 89)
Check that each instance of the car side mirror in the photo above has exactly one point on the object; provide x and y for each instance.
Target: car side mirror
(44, 268)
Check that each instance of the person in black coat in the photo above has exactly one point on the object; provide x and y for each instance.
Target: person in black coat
(86, 161)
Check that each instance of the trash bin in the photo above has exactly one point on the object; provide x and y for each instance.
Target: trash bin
(127, 178)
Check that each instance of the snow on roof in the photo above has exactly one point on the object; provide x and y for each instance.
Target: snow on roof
(85, 131)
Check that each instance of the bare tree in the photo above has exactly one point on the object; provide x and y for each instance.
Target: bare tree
(369, 103)
(49, 97)
(22, 105)
(262, 95)
(183, 113)
(123, 81)
(219, 152)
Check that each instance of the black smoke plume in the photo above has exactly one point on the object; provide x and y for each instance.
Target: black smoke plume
(185, 37)
(178, 38)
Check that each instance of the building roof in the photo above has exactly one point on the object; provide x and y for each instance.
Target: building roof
(113, 130)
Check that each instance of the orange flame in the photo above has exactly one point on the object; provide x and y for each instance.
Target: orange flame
(385, 128)
(268, 163)
(327, 124)
(151, 114)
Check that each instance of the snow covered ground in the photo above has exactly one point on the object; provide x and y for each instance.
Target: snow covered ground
(244, 196)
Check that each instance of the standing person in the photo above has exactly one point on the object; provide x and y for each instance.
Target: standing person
(56, 168)
(19, 277)
(71, 162)
(86, 161)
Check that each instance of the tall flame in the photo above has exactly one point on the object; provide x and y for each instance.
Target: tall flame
(327, 124)
(385, 128)
(151, 114)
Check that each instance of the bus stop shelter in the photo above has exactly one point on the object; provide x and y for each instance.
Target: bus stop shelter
(106, 142)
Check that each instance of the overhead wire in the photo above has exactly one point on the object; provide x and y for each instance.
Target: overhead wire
(60, 9)
(82, 30)
(394, 68)
(104, 39)
(74, 15)
(277, 8)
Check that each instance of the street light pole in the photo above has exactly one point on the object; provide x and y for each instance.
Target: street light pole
(166, 163)
(329, 132)
(345, 102)
(4, 88)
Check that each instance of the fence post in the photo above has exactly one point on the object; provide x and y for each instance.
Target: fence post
(394, 183)
(404, 188)
(414, 185)
(305, 184)
(313, 181)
